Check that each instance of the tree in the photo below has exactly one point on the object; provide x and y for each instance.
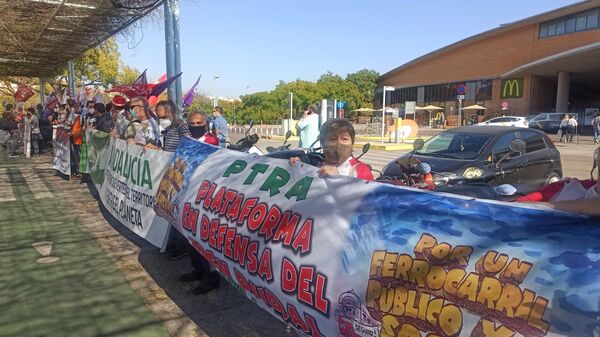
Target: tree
(366, 82)
(98, 66)
(127, 74)
(335, 87)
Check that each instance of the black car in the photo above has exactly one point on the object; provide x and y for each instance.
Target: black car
(483, 154)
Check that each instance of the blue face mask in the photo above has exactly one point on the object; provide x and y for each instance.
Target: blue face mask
(133, 113)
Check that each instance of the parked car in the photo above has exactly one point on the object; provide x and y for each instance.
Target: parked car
(483, 154)
(507, 121)
(548, 121)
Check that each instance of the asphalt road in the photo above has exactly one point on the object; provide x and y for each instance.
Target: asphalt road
(576, 158)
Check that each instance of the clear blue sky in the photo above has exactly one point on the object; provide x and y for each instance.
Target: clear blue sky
(254, 44)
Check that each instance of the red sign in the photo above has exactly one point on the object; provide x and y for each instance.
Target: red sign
(504, 105)
(23, 93)
(461, 89)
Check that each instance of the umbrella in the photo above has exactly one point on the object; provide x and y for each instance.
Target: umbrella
(429, 108)
(474, 107)
(364, 110)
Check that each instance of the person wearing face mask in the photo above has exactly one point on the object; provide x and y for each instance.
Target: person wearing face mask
(199, 128)
(171, 128)
(143, 129)
(337, 137)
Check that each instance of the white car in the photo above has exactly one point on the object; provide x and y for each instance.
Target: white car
(520, 122)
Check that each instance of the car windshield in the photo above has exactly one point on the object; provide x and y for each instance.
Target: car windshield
(455, 145)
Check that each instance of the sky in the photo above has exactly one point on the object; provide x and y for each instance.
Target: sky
(252, 45)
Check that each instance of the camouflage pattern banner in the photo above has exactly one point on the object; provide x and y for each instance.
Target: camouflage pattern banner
(346, 257)
(61, 146)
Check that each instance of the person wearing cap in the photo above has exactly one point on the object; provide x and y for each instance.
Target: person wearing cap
(120, 118)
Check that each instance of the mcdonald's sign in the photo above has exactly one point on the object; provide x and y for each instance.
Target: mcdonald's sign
(511, 88)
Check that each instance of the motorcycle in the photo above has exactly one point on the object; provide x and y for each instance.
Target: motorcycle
(283, 147)
(247, 143)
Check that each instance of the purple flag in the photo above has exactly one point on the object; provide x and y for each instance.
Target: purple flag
(189, 96)
(162, 86)
(142, 79)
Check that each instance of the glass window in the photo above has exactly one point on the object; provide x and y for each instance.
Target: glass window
(455, 145)
(555, 117)
(544, 30)
(592, 21)
(534, 142)
(552, 29)
(570, 27)
(581, 23)
(541, 117)
(560, 28)
(502, 146)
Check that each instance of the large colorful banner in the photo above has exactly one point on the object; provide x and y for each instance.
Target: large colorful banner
(127, 177)
(62, 150)
(346, 257)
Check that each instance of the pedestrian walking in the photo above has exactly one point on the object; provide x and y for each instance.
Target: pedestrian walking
(220, 126)
(596, 126)
(563, 127)
(572, 127)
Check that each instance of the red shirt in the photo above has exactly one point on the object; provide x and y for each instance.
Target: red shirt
(361, 170)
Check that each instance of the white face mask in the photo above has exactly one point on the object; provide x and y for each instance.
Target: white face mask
(165, 123)
(91, 110)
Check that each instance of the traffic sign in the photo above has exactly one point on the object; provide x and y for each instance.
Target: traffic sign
(460, 97)
(461, 90)
(341, 104)
(504, 105)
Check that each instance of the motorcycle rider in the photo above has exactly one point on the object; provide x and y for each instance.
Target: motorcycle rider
(337, 137)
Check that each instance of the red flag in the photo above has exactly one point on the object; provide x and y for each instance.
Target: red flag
(23, 93)
(133, 90)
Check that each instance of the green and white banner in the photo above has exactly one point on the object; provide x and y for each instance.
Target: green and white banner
(127, 177)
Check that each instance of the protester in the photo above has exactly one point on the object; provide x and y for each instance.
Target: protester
(143, 129)
(76, 134)
(201, 268)
(9, 136)
(35, 131)
(596, 126)
(337, 137)
(220, 126)
(171, 127)
(309, 127)
(120, 117)
(199, 128)
(584, 199)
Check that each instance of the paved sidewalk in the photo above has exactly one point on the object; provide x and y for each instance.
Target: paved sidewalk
(107, 281)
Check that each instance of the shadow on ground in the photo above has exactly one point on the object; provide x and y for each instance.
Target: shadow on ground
(220, 313)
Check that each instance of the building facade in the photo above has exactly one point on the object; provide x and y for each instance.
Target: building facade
(546, 63)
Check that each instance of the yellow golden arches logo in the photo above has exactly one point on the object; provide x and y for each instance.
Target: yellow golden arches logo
(512, 88)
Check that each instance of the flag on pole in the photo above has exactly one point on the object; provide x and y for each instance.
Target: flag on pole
(189, 96)
(142, 79)
(162, 86)
(162, 78)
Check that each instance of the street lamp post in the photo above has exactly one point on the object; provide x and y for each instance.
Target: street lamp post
(385, 88)
(214, 96)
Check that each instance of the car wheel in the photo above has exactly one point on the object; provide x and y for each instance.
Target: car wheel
(552, 178)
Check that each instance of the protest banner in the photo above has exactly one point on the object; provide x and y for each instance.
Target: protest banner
(127, 178)
(61, 144)
(346, 257)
